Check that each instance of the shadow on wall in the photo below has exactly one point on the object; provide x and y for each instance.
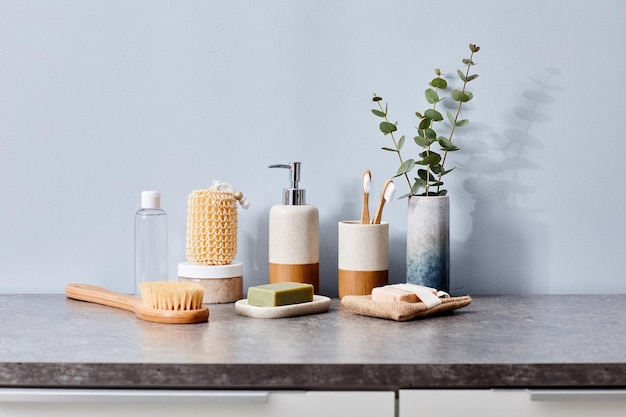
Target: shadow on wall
(506, 250)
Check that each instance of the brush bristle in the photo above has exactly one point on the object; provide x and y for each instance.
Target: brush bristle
(367, 182)
(390, 191)
(177, 296)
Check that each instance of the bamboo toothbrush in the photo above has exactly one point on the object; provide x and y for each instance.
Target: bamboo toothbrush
(367, 184)
(160, 302)
(387, 195)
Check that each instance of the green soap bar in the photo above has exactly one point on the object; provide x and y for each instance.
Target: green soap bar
(280, 294)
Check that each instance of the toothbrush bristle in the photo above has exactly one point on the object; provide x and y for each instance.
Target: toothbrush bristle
(367, 182)
(390, 191)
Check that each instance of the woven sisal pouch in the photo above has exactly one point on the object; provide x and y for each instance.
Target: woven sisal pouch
(211, 227)
(400, 311)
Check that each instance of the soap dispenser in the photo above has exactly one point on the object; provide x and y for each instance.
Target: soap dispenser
(294, 235)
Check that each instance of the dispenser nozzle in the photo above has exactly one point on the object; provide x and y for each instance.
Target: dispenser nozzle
(293, 195)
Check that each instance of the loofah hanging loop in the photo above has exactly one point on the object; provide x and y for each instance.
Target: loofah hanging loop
(212, 224)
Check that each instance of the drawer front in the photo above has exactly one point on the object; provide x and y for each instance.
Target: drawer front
(157, 403)
(512, 403)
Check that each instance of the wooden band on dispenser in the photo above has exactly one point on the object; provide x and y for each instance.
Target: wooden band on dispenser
(360, 282)
(305, 273)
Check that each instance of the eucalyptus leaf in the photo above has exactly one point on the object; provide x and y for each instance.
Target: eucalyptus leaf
(436, 193)
(430, 134)
(378, 113)
(431, 96)
(450, 118)
(458, 95)
(472, 77)
(461, 75)
(424, 123)
(420, 183)
(430, 159)
(447, 145)
(421, 141)
(376, 98)
(387, 127)
(401, 143)
(389, 149)
(425, 175)
(444, 172)
(433, 115)
(407, 166)
(462, 122)
(439, 83)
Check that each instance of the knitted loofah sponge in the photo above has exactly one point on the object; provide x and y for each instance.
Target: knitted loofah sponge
(212, 225)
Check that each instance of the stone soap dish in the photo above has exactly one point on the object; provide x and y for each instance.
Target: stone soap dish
(319, 304)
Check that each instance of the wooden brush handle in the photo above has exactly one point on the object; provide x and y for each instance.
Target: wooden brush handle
(365, 212)
(379, 212)
(98, 295)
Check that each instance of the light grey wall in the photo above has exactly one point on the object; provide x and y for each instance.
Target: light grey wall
(101, 99)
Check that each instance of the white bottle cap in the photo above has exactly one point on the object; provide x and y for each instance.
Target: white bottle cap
(150, 199)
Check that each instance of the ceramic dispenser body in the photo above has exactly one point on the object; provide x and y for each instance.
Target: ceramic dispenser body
(294, 236)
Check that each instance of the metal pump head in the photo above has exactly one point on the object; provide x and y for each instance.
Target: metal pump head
(293, 196)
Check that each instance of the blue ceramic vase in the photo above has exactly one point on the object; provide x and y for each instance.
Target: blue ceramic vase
(428, 242)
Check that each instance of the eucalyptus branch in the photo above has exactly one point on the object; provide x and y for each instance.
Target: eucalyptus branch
(434, 107)
(468, 63)
(433, 170)
(393, 138)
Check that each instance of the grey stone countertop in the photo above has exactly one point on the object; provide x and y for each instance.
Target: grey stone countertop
(496, 342)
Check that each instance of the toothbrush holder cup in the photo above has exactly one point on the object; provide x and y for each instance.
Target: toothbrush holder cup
(363, 257)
